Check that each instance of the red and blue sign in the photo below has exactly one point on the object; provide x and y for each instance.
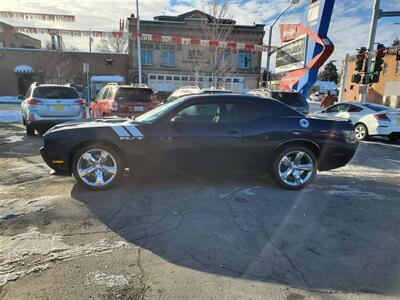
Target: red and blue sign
(317, 48)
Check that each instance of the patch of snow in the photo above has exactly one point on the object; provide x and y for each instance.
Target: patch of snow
(344, 190)
(363, 172)
(13, 209)
(10, 116)
(9, 99)
(16, 252)
(14, 139)
(98, 278)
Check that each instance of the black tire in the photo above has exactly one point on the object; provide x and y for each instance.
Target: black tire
(364, 128)
(308, 176)
(98, 146)
(23, 121)
(30, 130)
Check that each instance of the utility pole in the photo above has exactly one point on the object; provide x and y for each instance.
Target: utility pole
(138, 42)
(344, 78)
(90, 40)
(377, 13)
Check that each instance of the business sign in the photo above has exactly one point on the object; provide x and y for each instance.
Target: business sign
(288, 32)
(291, 56)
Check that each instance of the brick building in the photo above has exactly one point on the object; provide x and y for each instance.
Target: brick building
(16, 40)
(167, 67)
(388, 86)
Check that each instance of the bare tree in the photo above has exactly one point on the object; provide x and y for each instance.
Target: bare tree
(116, 44)
(216, 62)
(53, 67)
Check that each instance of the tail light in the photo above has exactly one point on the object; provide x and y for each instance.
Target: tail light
(114, 106)
(80, 102)
(381, 117)
(31, 101)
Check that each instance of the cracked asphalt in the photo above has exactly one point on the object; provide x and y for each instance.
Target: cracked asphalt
(215, 237)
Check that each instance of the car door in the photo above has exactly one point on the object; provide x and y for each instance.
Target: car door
(355, 113)
(203, 135)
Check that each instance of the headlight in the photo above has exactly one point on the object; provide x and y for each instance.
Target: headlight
(350, 136)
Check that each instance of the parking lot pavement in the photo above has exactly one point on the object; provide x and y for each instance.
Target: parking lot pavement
(237, 237)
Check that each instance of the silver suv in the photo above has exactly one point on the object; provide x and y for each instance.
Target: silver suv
(46, 105)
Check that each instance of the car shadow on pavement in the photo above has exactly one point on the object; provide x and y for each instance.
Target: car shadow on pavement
(249, 228)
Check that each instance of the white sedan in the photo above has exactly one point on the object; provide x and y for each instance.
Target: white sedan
(369, 119)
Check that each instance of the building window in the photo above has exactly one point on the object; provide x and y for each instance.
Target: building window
(2, 44)
(12, 45)
(168, 55)
(146, 53)
(398, 67)
(385, 69)
(244, 60)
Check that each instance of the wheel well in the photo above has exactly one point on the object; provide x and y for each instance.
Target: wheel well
(84, 144)
(307, 144)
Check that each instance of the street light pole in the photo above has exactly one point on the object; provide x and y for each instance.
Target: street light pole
(138, 42)
(271, 27)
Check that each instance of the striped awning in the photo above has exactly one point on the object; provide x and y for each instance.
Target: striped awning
(23, 69)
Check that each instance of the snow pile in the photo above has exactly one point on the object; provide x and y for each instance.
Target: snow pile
(98, 278)
(14, 139)
(17, 252)
(10, 116)
(15, 208)
(9, 99)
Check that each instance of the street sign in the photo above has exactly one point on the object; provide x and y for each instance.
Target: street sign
(291, 56)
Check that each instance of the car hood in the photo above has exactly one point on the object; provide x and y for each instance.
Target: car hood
(109, 122)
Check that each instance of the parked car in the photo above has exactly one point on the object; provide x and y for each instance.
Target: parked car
(123, 100)
(214, 133)
(46, 105)
(195, 90)
(369, 119)
(317, 97)
(292, 99)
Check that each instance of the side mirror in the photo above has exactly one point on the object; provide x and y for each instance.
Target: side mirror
(178, 120)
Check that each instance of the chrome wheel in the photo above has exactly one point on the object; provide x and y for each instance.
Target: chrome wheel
(296, 168)
(97, 168)
(361, 132)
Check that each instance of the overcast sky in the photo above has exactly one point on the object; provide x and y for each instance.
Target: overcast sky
(348, 30)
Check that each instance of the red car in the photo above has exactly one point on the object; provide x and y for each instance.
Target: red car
(123, 101)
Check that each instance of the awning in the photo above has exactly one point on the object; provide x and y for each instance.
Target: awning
(23, 69)
(107, 78)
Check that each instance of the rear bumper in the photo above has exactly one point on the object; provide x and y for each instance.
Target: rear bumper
(336, 156)
(387, 130)
(46, 123)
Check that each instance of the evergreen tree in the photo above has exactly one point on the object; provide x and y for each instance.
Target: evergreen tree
(329, 73)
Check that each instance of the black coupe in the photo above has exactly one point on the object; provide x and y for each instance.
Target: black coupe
(211, 133)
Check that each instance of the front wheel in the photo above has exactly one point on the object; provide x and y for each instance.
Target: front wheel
(361, 132)
(294, 167)
(96, 167)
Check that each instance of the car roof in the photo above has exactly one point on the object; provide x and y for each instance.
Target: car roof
(225, 97)
(54, 85)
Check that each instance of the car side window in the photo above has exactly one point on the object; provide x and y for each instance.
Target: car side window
(105, 94)
(333, 109)
(354, 108)
(343, 107)
(110, 94)
(251, 112)
(209, 113)
(99, 94)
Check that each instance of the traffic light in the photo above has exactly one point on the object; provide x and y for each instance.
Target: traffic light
(361, 55)
(398, 55)
(380, 54)
(265, 77)
(356, 78)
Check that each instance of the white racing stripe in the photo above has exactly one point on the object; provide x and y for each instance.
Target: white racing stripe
(127, 132)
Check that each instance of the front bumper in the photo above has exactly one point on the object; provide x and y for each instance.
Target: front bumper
(59, 168)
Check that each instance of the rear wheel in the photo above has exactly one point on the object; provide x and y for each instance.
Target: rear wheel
(294, 167)
(96, 167)
(361, 132)
(30, 130)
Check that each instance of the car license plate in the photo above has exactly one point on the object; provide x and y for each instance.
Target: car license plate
(58, 107)
(138, 108)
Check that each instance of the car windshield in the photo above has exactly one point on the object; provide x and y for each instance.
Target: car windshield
(375, 107)
(291, 99)
(133, 95)
(55, 92)
(157, 112)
